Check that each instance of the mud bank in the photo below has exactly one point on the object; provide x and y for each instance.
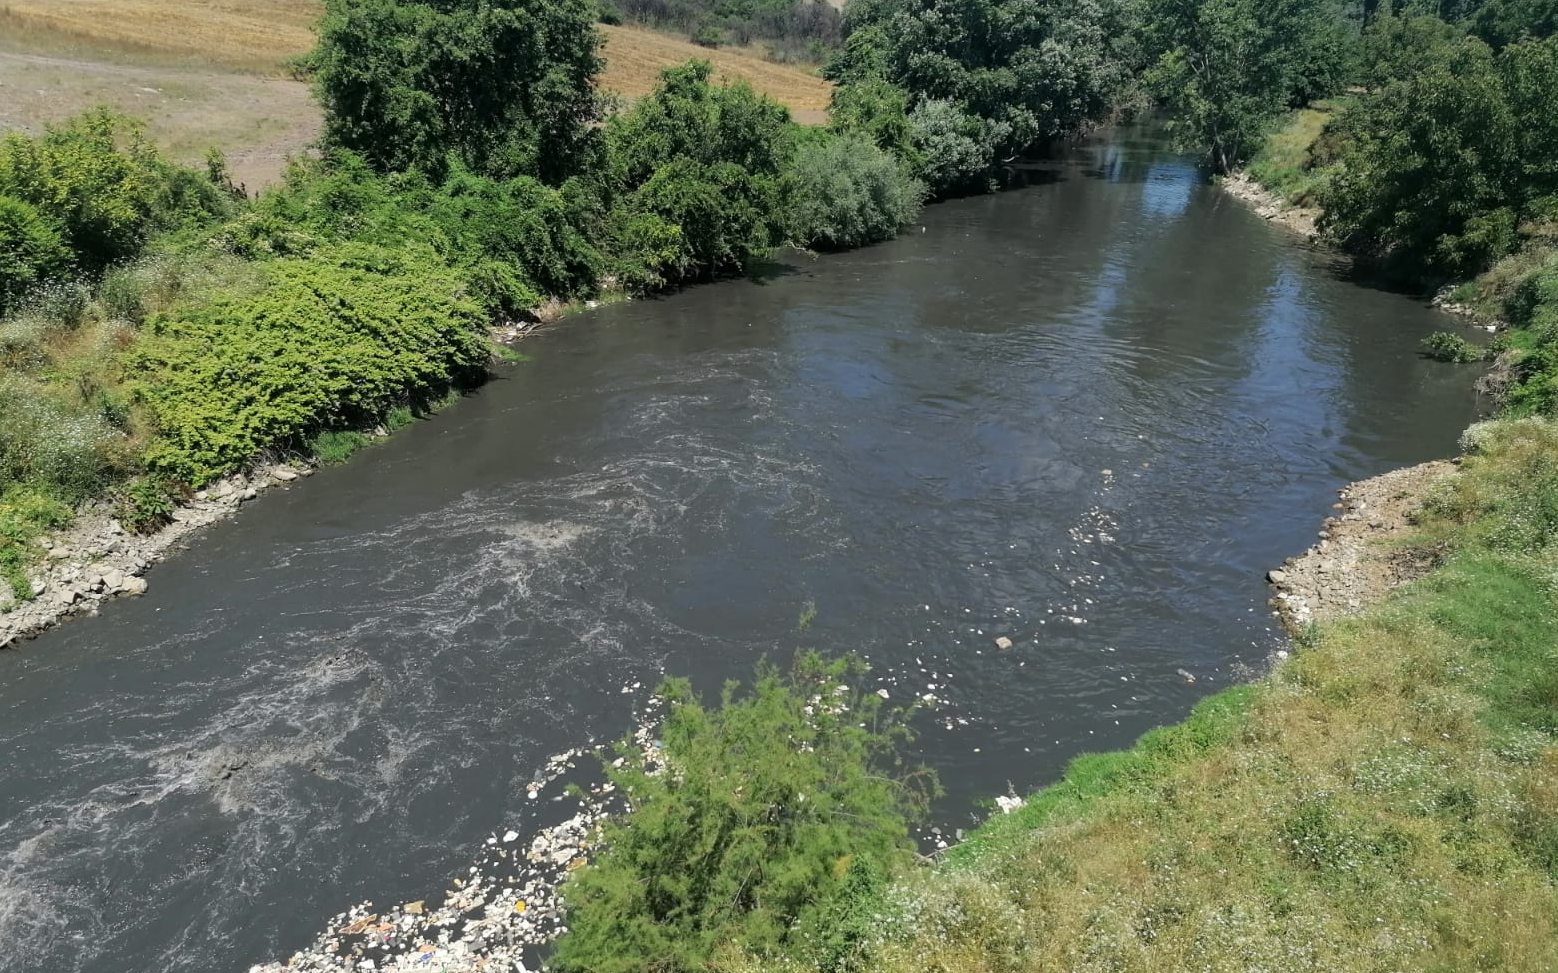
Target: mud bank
(1364, 549)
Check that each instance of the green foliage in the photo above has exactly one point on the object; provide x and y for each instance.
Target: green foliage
(1504, 22)
(1445, 166)
(145, 505)
(754, 821)
(32, 250)
(846, 192)
(330, 341)
(335, 446)
(102, 185)
(696, 171)
(875, 109)
(1226, 68)
(67, 453)
(503, 88)
(25, 513)
(1447, 346)
(1014, 73)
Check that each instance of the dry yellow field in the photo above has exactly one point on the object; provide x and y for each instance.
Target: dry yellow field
(254, 36)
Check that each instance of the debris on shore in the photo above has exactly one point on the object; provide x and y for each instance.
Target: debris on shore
(503, 912)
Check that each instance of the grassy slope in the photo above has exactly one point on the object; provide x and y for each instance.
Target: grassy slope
(1288, 164)
(210, 72)
(1386, 800)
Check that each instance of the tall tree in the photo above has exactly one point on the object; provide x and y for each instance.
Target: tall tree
(1225, 68)
(506, 87)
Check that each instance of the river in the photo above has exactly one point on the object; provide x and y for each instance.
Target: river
(1086, 415)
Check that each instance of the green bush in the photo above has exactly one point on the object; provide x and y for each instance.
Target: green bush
(103, 184)
(695, 171)
(32, 250)
(846, 192)
(25, 513)
(144, 505)
(330, 341)
(755, 821)
(1446, 346)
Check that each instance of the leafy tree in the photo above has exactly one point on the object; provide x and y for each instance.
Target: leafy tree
(1226, 68)
(1503, 22)
(1395, 48)
(1027, 70)
(506, 87)
(705, 159)
(747, 826)
(876, 109)
(1445, 166)
(847, 192)
(32, 250)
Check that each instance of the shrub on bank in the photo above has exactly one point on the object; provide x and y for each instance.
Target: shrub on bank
(845, 192)
(328, 341)
(749, 829)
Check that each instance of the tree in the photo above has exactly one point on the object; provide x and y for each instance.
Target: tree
(747, 824)
(1226, 68)
(1026, 70)
(705, 159)
(506, 87)
(1425, 182)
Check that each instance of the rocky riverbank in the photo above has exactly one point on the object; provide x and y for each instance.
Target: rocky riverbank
(1363, 551)
(1271, 207)
(95, 559)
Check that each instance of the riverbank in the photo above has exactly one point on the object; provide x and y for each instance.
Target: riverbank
(1382, 800)
(95, 559)
(1364, 551)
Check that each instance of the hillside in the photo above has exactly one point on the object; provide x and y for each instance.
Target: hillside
(211, 72)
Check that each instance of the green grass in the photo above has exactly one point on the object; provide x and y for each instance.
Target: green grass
(1294, 162)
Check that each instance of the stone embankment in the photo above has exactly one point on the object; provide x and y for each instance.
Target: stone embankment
(1271, 207)
(96, 559)
(1364, 549)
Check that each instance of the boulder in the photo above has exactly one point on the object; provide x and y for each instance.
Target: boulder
(1276, 577)
(134, 586)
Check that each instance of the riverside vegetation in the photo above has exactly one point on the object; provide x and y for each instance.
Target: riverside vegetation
(1384, 800)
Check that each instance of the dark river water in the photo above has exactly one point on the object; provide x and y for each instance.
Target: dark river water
(1086, 415)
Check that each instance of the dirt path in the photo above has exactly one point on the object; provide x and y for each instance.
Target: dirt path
(1362, 553)
(257, 121)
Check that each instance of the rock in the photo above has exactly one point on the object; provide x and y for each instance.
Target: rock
(1003, 642)
(39, 586)
(113, 579)
(1276, 577)
(134, 586)
(7, 599)
(249, 494)
(284, 474)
